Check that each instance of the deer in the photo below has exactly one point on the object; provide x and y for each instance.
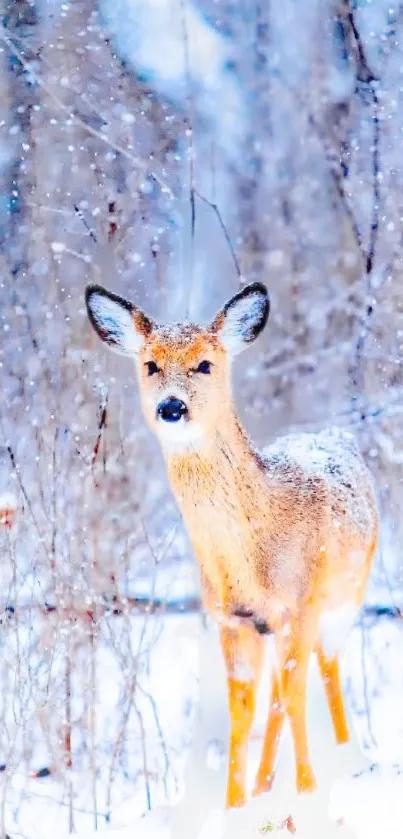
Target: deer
(284, 539)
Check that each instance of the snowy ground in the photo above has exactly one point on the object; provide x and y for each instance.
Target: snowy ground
(186, 800)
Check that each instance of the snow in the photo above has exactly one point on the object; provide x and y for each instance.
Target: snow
(375, 688)
(331, 457)
(185, 676)
(58, 247)
(371, 802)
(353, 799)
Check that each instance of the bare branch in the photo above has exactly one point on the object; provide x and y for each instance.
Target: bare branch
(224, 229)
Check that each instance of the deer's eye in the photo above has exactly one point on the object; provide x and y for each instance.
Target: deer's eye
(152, 368)
(204, 367)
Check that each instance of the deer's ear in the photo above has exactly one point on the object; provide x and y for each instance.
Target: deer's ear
(242, 318)
(118, 322)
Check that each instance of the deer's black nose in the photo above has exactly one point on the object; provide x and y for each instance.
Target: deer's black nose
(171, 410)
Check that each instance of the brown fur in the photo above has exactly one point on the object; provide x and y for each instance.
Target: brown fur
(272, 535)
(281, 539)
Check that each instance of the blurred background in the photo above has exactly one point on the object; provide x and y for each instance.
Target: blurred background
(173, 150)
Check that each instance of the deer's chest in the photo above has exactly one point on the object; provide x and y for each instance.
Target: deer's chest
(227, 535)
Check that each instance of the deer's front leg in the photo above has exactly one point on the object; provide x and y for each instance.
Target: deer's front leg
(243, 651)
(265, 775)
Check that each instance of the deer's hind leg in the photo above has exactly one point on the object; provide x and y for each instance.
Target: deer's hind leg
(330, 673)
(329, 662)
(243, 650)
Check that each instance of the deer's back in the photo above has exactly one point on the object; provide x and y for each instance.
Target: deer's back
(330, 520)
(328, 470)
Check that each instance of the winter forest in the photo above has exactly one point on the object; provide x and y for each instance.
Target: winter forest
(172, 151)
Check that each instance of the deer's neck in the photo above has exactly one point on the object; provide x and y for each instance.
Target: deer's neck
(225, 501)
(225, 466)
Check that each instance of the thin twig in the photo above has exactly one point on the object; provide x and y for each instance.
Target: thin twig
(82, 218)
(158, 726)
(144, 755)
(102, 422)
(338, 182)
(367, 703)
(392, 612)
(215, 208)
(115, 606)
(335, 169)
(26, 497)
(367, 78)
(191, 153)
(67, 739)
(375, 180)
(93, 718)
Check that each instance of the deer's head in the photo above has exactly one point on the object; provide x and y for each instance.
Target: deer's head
(183, 368)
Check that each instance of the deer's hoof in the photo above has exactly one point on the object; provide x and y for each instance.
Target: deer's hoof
(263, 784)
(306, 781)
